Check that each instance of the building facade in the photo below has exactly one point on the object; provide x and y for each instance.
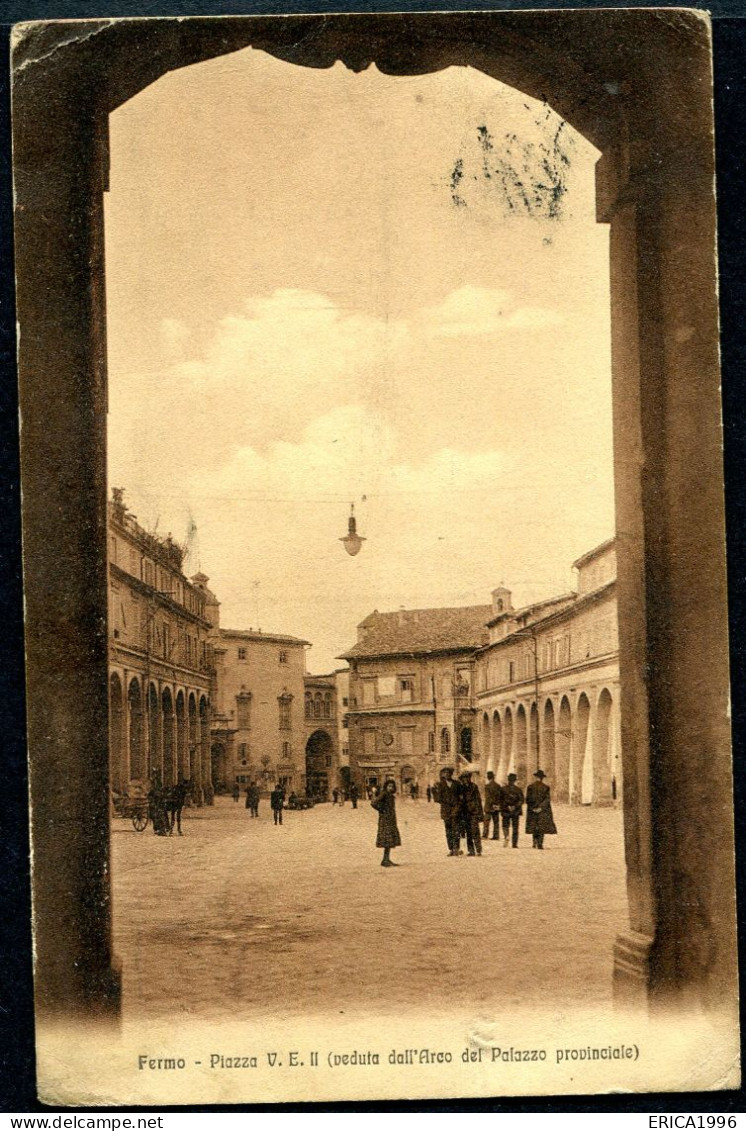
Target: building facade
(258, 731)
(322, 739)
(548, 687)
(161, 666)
(494, 688)
(411, 693)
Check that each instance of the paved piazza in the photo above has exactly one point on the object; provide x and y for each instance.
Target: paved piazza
(239, 917)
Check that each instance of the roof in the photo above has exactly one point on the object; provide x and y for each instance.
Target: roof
(594, 553)
(529, 610)
(261, 637)
(420, 630)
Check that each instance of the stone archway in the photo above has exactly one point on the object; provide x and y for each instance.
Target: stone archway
(137, 759)
(521, 745)
(548, 745)
(563, 750)
(652, 124)
(319, 765)
(581, 770)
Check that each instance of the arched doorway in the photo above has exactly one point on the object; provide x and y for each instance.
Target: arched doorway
(507, 757)
(581, 775)
(548, 746)
(155, 760)
(521, 745)
(535, 754)
(319, 763)
(169, 738)
(603, 752)
(182, 743)
(204, 750)
(563, 750)
(138, 768)
(497, 747)
(486, 742)
(119, 775)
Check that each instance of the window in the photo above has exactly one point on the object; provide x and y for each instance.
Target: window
(243, 710)
(344, 702)
(345, 722)
(406, 688)
(148, 573)
(466, 747)
(386, 686)
(166, 640)
(284, 701)
(327, 706)
(511, 672)
(445, 741)
(134, 563)
(431, 742)
(243, 753)
(317, 706)
(286, 751)
(242, 653)
(309, 705)
(283, 657)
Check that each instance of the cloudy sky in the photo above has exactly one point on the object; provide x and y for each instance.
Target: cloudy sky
(327, 288)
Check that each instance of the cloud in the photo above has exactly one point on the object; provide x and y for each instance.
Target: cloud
(471, 310)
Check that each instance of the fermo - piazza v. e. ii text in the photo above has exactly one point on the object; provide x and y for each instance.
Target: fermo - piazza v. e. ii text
(367, 1058)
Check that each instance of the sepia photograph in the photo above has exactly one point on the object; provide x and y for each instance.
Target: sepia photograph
(374, 544)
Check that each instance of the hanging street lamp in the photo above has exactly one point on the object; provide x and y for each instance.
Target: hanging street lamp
(353, 542)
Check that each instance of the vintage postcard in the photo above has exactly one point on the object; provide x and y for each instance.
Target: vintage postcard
(374, 557)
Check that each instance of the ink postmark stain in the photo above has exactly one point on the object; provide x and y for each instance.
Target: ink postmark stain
(525, 175)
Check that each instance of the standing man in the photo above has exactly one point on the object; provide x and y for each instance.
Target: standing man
(353, 795)
(511, 808)
(277, 800)
(492, 800)
(472, 813)
(539, 818)
(450, 810)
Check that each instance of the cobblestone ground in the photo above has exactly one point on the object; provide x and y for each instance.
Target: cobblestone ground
(239, 917)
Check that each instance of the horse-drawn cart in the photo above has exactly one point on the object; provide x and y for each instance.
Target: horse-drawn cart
(133, 808)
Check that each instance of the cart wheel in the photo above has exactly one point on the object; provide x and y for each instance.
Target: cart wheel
(140, 821)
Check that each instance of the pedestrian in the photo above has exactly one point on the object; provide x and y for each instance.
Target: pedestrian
(492, 798)
(472, 813)
(449, 793)
(511, 807)
(276, 801)
(429, 792)
(413, 791)
(157, 807)
(388, 830)
(236, 791)
(354, 795)
(539, 817)
(335, 796)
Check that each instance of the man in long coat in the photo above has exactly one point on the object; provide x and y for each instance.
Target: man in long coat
(511, 807)
(276, 801)
(472, 813)
(539, 818)
(492, 797)
(449, 794)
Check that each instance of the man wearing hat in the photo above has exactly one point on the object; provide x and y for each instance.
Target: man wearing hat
(449, 795)
(472, 813)
(539, 819)
(492, 796)
(511, 807)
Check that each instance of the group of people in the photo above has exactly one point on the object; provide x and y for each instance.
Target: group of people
(467, 818)
(339, 796)
(276, 800)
